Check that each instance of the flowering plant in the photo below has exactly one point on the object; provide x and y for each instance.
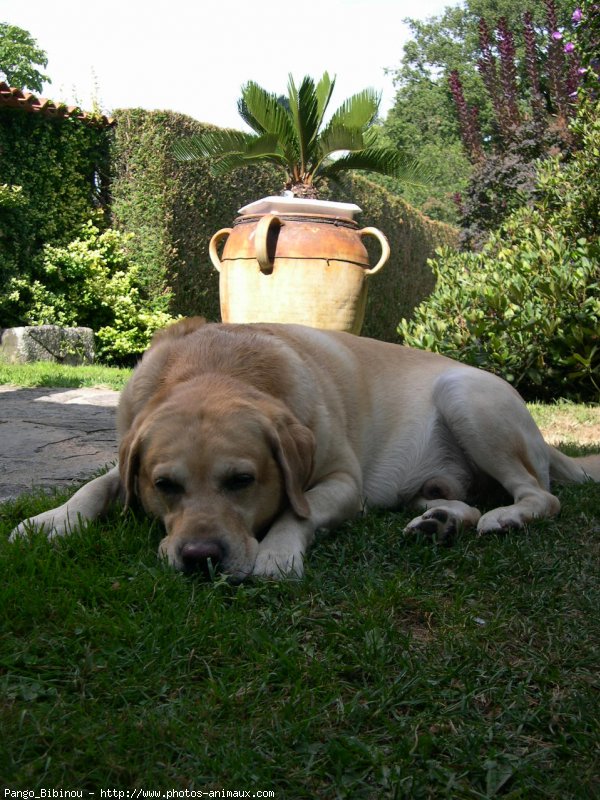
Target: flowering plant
(582, 47)
(531, 117)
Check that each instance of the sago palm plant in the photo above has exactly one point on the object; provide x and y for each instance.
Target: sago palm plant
(290, 132)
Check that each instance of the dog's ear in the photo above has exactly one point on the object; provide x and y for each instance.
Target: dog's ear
(294, 448)
(178, 329)
(129, 459)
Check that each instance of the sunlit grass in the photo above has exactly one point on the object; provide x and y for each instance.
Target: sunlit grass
(48, 373)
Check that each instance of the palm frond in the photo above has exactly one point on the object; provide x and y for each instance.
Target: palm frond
(211, 144)
(357, 111)
(383, 160)
(304, 107)
(232, 161)
(270, 116)
(372, 136)
(268, 143)
(340, 137)
(324, 91)
(227, 163)
(249, 118)
(229, 150)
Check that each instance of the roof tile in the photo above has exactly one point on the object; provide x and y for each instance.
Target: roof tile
(10, 97)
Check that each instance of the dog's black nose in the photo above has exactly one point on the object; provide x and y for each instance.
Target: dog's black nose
(200, 556)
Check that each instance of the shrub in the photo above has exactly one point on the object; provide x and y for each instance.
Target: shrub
(506, 179)
(91, 282)
(527, 307)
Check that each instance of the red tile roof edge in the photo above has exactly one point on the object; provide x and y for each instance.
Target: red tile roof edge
(11, 97)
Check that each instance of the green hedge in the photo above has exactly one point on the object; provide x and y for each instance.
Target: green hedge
(61, 166)
(174, 208)
(407, 278)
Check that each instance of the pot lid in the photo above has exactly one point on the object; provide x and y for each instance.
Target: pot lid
(280, 204)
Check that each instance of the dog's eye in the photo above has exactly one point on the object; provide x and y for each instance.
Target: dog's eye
(167, 486)
(234, 483)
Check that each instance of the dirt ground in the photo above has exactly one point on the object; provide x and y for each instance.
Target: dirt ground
(563, 426)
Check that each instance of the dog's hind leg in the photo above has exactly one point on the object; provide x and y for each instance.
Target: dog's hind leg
(496, 432)
(88, 503)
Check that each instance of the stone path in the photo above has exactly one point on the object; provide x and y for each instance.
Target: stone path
(43, 444)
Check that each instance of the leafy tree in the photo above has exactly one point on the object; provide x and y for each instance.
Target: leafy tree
(19, 58)
(529, 116)
(422, 124)
(423, 115)
(291, 133)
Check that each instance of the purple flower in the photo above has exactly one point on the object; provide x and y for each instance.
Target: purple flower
(569, 47)
(577, 16)
(581, 71)
(557, 36)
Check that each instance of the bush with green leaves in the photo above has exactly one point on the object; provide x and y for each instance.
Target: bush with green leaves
(91, 282)
(11, 205)
(527, 307)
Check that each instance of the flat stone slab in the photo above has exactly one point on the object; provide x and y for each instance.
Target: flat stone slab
(54, 437)
(47, 343)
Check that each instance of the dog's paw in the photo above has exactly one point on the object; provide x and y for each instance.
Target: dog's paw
(437, 523)
(501, 519)
(278, 563)
(442, 521)
(51, 524)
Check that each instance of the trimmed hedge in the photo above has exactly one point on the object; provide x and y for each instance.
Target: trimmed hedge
(407, 279)
(61, 166)
(174, 208)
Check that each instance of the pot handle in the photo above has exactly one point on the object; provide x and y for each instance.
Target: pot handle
(212, 247)
(385, 248)
(261, 238)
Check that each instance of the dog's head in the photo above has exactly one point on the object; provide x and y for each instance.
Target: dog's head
(217, 462)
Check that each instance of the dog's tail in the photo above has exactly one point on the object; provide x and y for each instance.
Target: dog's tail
(566, 469)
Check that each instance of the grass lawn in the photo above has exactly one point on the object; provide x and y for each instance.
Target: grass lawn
(396, 669)
(48, 373)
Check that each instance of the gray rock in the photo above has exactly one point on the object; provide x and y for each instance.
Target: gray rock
(47, 343)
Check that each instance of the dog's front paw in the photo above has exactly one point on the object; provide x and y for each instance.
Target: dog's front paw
(51, 523)
(279, 563)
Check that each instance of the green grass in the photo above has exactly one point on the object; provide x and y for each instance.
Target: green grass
(47, 373)
(397, 668)
(545, 413)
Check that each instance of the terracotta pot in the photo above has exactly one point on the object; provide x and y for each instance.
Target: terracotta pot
(305, 268)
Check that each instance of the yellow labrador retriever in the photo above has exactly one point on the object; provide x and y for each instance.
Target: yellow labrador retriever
(244, 440)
